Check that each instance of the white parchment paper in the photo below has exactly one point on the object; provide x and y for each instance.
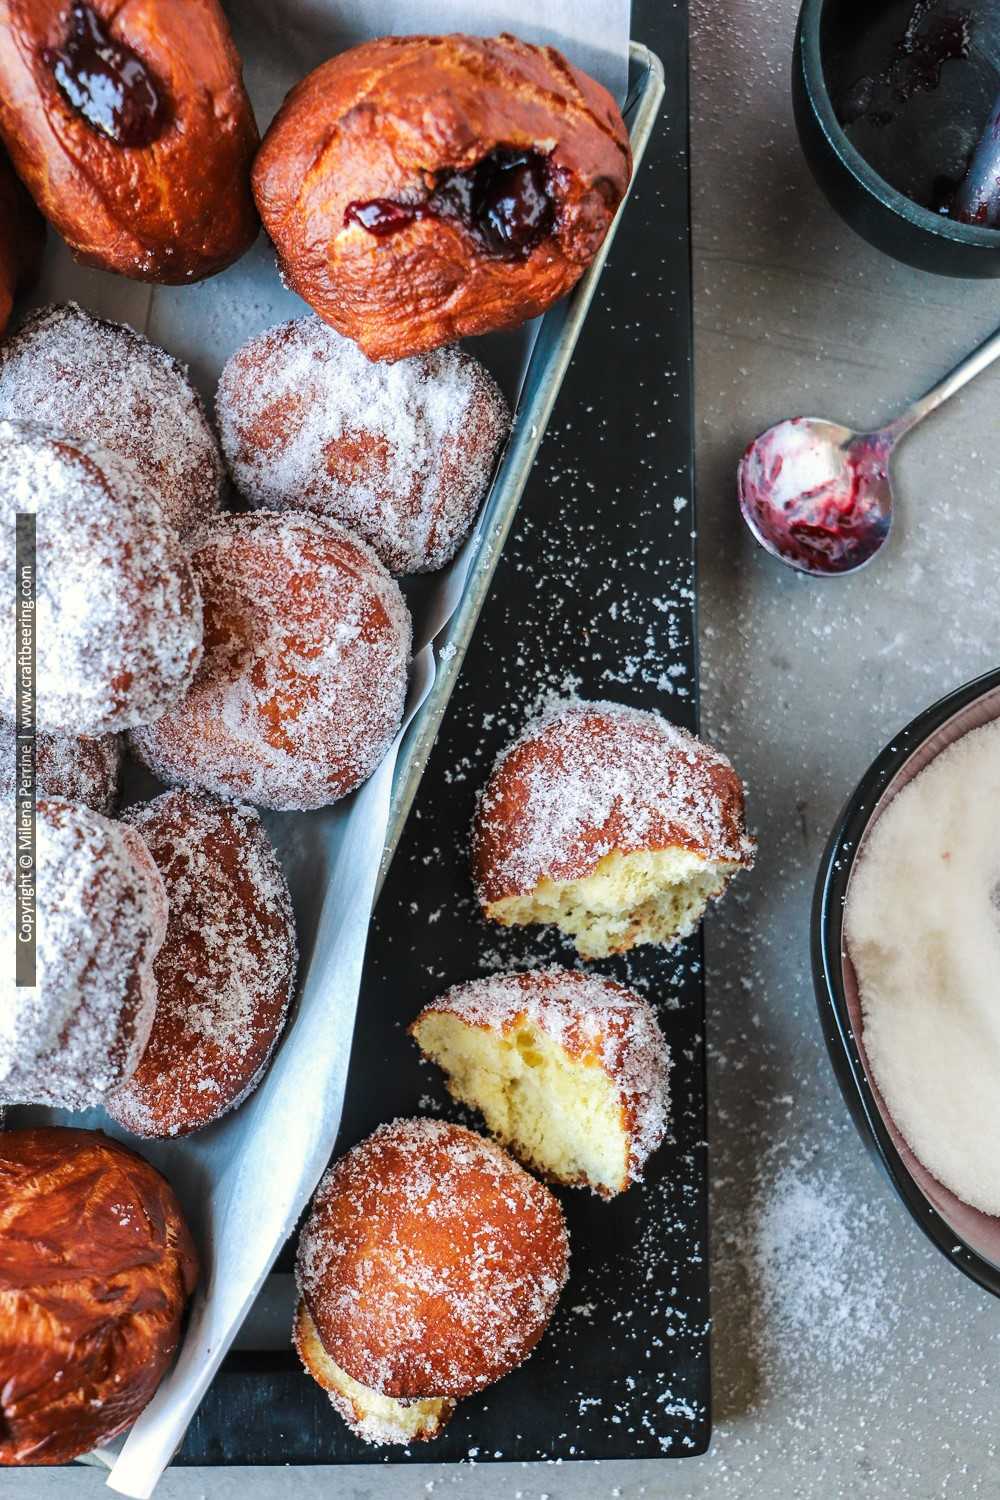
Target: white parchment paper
(244, 1182)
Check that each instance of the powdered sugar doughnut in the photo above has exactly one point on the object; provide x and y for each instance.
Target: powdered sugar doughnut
(101, 917)
(75, 769)
(83, 377)
(301, 690)
(225, 971)
(570, 1070)
(610, 822)
(118, 616)
(402, 453)
(429, 1266)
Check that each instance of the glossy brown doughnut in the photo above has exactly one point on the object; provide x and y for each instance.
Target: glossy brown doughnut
(131, 127)
(96, 1268)
(22, 235)
(422, 188)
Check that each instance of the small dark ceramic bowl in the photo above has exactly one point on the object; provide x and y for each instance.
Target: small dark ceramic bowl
(968, 1237)
(835, 41)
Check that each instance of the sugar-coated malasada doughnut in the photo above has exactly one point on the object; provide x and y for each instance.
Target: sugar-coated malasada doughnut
(224, 973)
(301, 689)
(611, 823)
(96, 1268)
(132, 129)
(22, 235)
(101, 917)
(429, 1267)
(570, 1070)
(75, 769)
(118, 616)
(422, 188)
(83, 377)
(402, 454)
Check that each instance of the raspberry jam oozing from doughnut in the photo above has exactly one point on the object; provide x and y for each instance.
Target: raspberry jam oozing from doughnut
(504, 200)
(106, 82)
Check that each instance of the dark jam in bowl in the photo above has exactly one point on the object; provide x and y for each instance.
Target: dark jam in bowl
(913, 84)
(106, 82)
(504, 200)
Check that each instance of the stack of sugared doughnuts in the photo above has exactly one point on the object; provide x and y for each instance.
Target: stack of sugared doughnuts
(250, 659)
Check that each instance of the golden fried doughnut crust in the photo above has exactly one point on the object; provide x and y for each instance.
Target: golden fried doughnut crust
(384, 121)
(589, 778)
(96, 1267)
(431, 1262)
(225, 972)
(171, 209)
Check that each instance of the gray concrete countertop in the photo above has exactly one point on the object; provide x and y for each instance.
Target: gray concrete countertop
(849, 1359)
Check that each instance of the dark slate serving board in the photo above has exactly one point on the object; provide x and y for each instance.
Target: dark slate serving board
(595, 595)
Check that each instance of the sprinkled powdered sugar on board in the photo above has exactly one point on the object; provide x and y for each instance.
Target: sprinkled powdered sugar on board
(302, 685)
(118, 614)
(401, 453)
(79, 770)
(102, 915)
(589, 1015)
(430, 1262)
(584, 779)
(226, 969)
(80, 376)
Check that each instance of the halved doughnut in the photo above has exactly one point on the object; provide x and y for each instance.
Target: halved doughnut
(569, 1070)
(610, 823)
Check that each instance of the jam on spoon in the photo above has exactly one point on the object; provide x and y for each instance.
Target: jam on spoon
(106, 82)
(819, 496)
(504, 200)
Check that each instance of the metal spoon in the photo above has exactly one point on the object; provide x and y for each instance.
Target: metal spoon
(819, 496)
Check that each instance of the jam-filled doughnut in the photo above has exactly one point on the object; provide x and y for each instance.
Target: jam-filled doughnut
(96, 1268)
(118, 615)
(569, 1070)
(421, 188)
(611, 823)
(428, 1268)
(101, 917)
(300, 693)
(132, 129)
(224, 973)
(83, 377)
(22, 235)
(75, 769)
(401, 453)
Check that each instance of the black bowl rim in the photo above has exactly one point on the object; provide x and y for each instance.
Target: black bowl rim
(826, 947)
(937, 225)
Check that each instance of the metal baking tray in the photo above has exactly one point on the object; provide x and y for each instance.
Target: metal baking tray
(550, 356)
(624, 1371)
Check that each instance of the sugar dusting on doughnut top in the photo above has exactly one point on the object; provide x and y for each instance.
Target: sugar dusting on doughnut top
(82, 377)
(118, 616)
(102, 915)
(400, 453)
(589, 1016)
(307, 641)
(79, 770)
(226, 968)
(584, 779)
(431, 1262)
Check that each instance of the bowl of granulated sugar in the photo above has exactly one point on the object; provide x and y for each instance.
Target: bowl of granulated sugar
(906, 964)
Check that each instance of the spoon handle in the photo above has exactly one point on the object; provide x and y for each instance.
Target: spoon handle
(967, 369)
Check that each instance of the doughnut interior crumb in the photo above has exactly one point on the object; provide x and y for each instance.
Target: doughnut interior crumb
(559, 1113)
(370, 1415)
(649, 896)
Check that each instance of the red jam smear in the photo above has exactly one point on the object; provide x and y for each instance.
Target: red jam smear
(504, 200)
(834, 528)
(107, 83)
